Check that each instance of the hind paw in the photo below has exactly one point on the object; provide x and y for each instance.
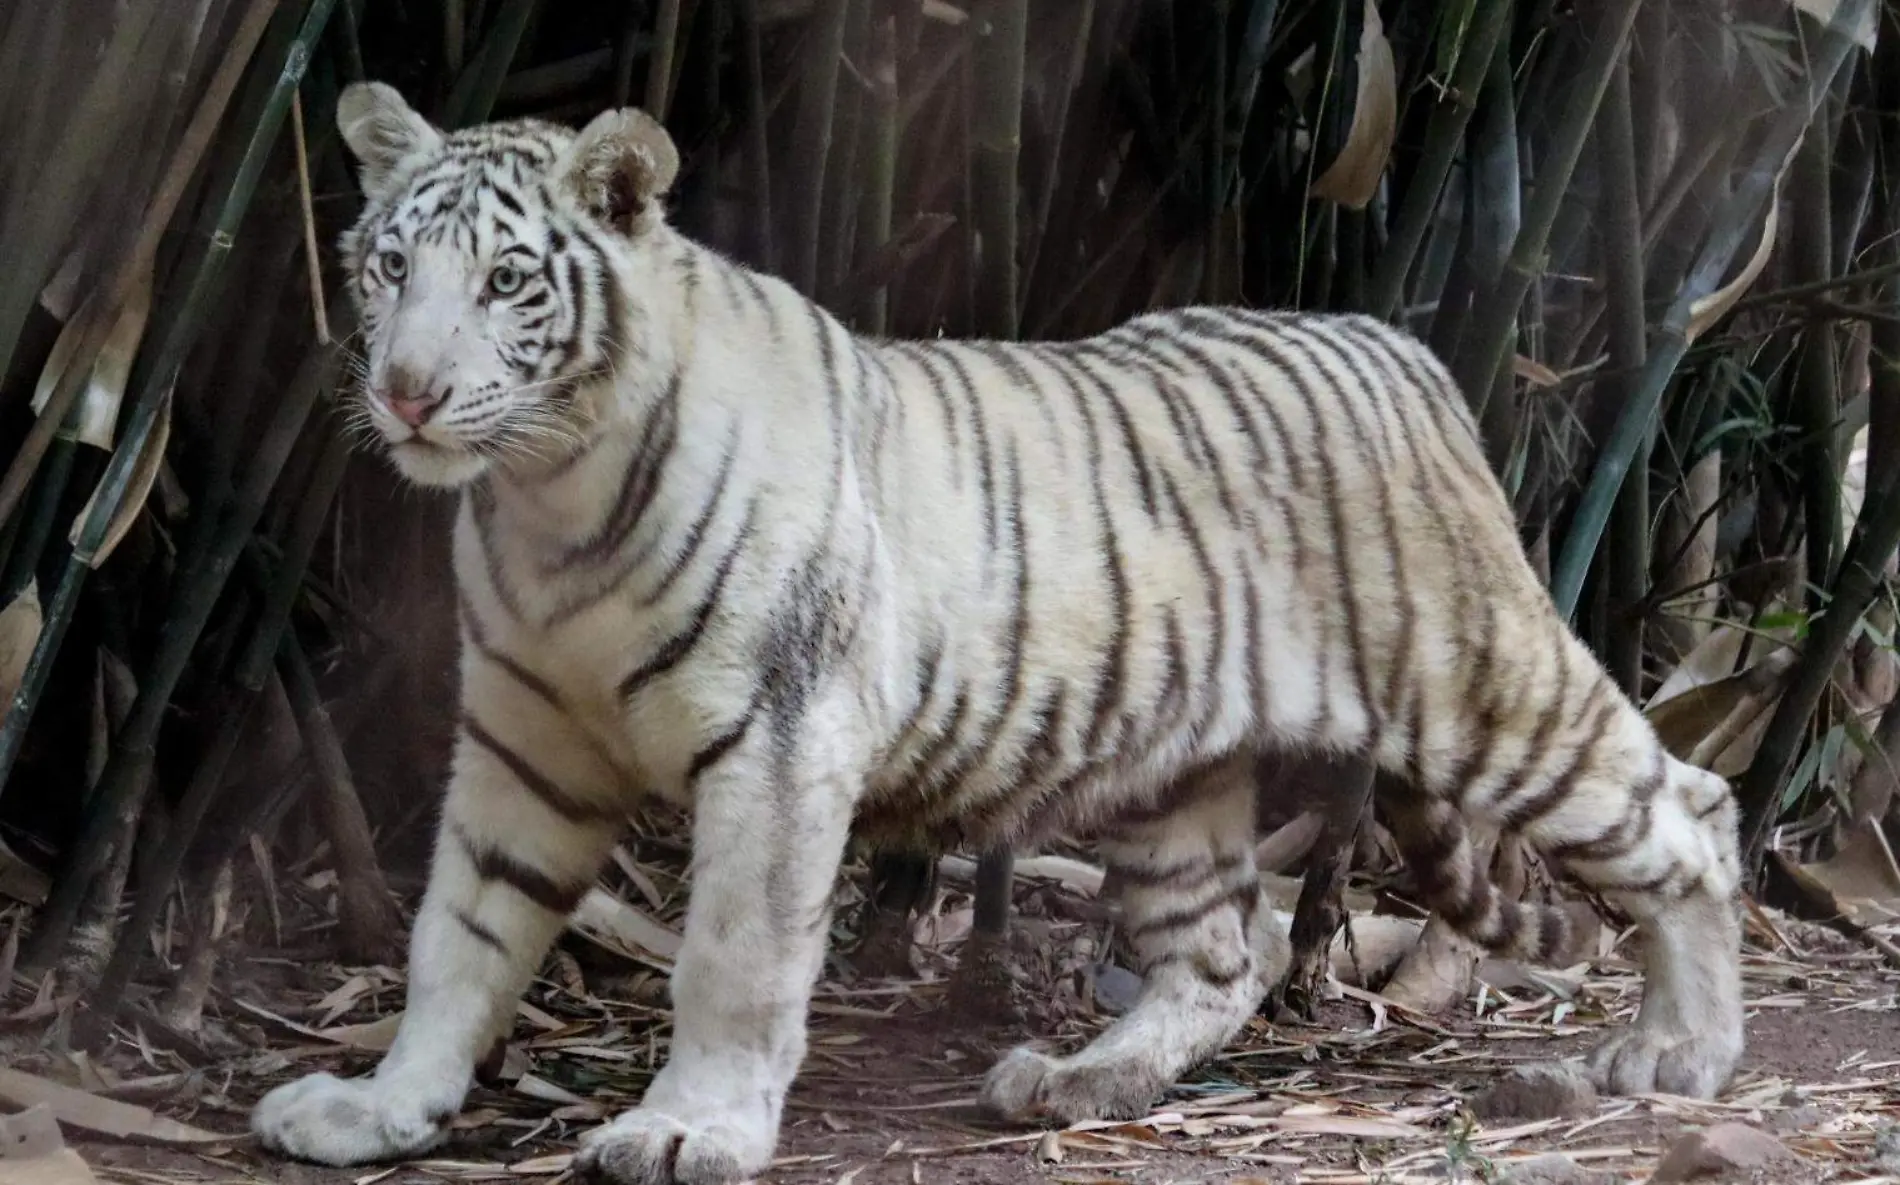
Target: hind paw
(334, 1121)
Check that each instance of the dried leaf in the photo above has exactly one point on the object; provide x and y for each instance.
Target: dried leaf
(32, 1152)
(20, 624)
(87, 1111)
(1534, 372)
(1713, 307)
(1353, 177)
(1862, 875)
(619, 927)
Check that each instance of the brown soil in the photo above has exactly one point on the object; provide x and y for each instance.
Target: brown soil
(888, 1096)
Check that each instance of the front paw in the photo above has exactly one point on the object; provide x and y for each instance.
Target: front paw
(647, 1147)
(329, 1120)
(1641, 1060)
(1026, 1086)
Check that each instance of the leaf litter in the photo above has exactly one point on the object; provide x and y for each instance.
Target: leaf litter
(1373, 1091)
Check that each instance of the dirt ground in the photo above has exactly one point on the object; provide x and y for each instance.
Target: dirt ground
(1368, 1093)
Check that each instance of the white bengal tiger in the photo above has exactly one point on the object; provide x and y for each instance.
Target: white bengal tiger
(713, 546)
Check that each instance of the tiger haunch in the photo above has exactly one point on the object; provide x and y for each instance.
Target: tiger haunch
(713, 546)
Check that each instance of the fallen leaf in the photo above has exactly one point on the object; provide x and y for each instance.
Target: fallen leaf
(1712, 308)
(32, 1152)
(1353, 177)
(88, 1111)
(620, 927)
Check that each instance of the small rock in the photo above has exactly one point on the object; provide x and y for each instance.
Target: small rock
(1545, 1091)
(1116, 988)
(1887, 1149)
(1719, 1150)
(1795, 1119)
(1552, 1168)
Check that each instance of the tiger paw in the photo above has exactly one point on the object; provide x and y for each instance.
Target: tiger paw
(333, 1121)
(1027, 1085)
(1649, 1059)
(647, 1147)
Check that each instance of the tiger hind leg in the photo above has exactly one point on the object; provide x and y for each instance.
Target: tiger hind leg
(1656, 837)
(1672, 862)
(1208, 944)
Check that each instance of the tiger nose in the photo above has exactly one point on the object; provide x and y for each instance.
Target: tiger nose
(414, 399)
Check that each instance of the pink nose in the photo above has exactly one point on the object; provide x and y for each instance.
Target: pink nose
(414, 400)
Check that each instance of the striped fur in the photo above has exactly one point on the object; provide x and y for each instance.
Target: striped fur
(714, 547)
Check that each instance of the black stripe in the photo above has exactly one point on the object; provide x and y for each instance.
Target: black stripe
(696, 533)
(677, 647)
(480, 933)
(532, 779)
(720, 745)
(979, 430)
(638, 484)
(492, 864)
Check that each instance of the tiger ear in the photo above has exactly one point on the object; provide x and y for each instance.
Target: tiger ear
(382, 130)
(619, 167)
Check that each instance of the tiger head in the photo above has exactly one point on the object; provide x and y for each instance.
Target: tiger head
(490, 268)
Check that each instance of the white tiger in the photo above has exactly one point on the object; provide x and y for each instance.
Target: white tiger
(715, 547)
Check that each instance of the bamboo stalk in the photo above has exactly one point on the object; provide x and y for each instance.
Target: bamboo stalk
(1443, 134)
(253, 668)
(189, 611)
(1622, 245)
(995, 143)
(473, 97)
(1059, 125)
(811, 138)
(33, 239)
(1861, 573)
(1487, 346)
(843, 189)
(758, 142)
(369, 926)
(666, 31)
(880, 182)
(1814, 406)
(1733, 221)
(138, 261)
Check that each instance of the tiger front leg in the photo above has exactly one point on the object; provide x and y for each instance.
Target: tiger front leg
(770, 820)
(513, 855)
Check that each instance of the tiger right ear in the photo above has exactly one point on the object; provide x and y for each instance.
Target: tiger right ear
(619, 166)
(382, 130)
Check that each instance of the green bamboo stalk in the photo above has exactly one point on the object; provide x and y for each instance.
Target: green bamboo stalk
(190, 609)
(758, 143)
(880, 181)
(1255, 40)
(1815, 404)
(1443, 134)
(1732, 222)
(995, 143)
(811, 138)
(33, 238)
(473, 96)
(1059, 126)
(454, 35)
(1219, 113)
(843, 189)
(1622, 245)
(1497, 225)
(666, 31)
(103, 309)
(253, 671)
(153, 383)
(1486, 348)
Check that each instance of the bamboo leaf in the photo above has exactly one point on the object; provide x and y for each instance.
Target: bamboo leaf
(20, 624)
(1710, 309)
(1353, 177)
(1863, 31)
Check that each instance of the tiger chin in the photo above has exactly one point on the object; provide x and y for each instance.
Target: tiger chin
(713, 546)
